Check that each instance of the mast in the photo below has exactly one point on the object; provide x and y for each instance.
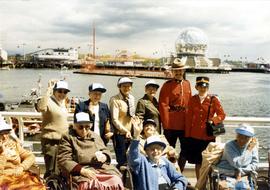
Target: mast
(94, 41)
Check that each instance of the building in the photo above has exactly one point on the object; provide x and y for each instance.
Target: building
(59, 54)
(191, 46)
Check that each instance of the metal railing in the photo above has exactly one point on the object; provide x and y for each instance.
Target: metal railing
(25, 118)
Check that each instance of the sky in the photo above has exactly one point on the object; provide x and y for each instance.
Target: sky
(235, 29)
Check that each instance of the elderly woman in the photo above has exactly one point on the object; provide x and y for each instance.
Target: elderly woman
(15, 162)
(152, 171)
(122, 107)
(149, 129)
(147, 106)
(83, 154)
(54, 122)
(98, 111)
(239, 160)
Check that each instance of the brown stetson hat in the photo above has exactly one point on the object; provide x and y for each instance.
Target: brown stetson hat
(178, 64)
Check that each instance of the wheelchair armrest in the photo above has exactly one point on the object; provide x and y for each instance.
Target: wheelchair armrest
(34, 169)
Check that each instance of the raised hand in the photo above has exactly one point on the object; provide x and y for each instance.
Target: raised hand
(137, 126)
(252, 143)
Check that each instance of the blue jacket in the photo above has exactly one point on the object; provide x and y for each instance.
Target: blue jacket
(145, 176)
(236, 158)
(104, 116)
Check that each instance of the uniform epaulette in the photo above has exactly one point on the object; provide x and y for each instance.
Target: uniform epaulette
(169, 80)
(214, 95)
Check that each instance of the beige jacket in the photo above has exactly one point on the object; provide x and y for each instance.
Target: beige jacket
(13, 155)
(211, 155)
(54, 118)
(120, 119)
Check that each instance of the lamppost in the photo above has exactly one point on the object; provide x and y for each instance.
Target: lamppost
(22, 45)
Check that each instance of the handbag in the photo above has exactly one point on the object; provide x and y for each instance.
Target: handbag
(211, 128)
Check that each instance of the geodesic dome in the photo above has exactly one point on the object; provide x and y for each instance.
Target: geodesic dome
(191, 41)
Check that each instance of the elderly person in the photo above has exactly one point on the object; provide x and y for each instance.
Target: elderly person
(83, 154)
(98, 112)
(147, 106)
(149, 129)
(15, 162)
(122, 107)
(173, 102)
(239, 160)
(54, 122)
(196, 119)
(152, 171)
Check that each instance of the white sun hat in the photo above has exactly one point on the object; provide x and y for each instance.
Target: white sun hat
(245, 129)
(123, 80)
(61, 85)
(4, 126)
(96, 87)
(154, 140)
(82, 117)
(152, 83)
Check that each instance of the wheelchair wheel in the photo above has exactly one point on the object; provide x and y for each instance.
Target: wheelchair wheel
(55, 182)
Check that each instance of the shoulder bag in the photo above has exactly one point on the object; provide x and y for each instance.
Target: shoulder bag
(211, 128)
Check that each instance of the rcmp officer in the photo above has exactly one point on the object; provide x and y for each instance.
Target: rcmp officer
(196, 121)
(173, 102)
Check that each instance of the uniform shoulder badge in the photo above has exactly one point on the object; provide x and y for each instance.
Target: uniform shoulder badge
(170, 80)
(214, 95)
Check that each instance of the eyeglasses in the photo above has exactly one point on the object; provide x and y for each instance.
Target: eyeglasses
(62, 91)
(86, 127)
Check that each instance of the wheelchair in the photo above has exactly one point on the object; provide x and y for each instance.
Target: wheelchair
(214, 179)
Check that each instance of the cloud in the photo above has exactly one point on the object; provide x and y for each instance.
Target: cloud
(141, 26)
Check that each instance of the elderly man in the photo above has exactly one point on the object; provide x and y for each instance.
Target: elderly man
(239, 160)
(83, 154)
(99, 112)
(152, 171)
(122, 110)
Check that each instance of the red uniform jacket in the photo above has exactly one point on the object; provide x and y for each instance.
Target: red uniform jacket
(173, 101)
(197, 116)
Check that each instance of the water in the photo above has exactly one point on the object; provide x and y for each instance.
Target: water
(241, 94)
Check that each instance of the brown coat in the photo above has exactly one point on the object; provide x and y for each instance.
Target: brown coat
(75, 151)
(146, 109)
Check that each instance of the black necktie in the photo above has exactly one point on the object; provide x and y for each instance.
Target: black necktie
(131, 108)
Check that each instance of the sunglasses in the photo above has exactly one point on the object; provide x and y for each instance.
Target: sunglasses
(86, 127)
(62, 91)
